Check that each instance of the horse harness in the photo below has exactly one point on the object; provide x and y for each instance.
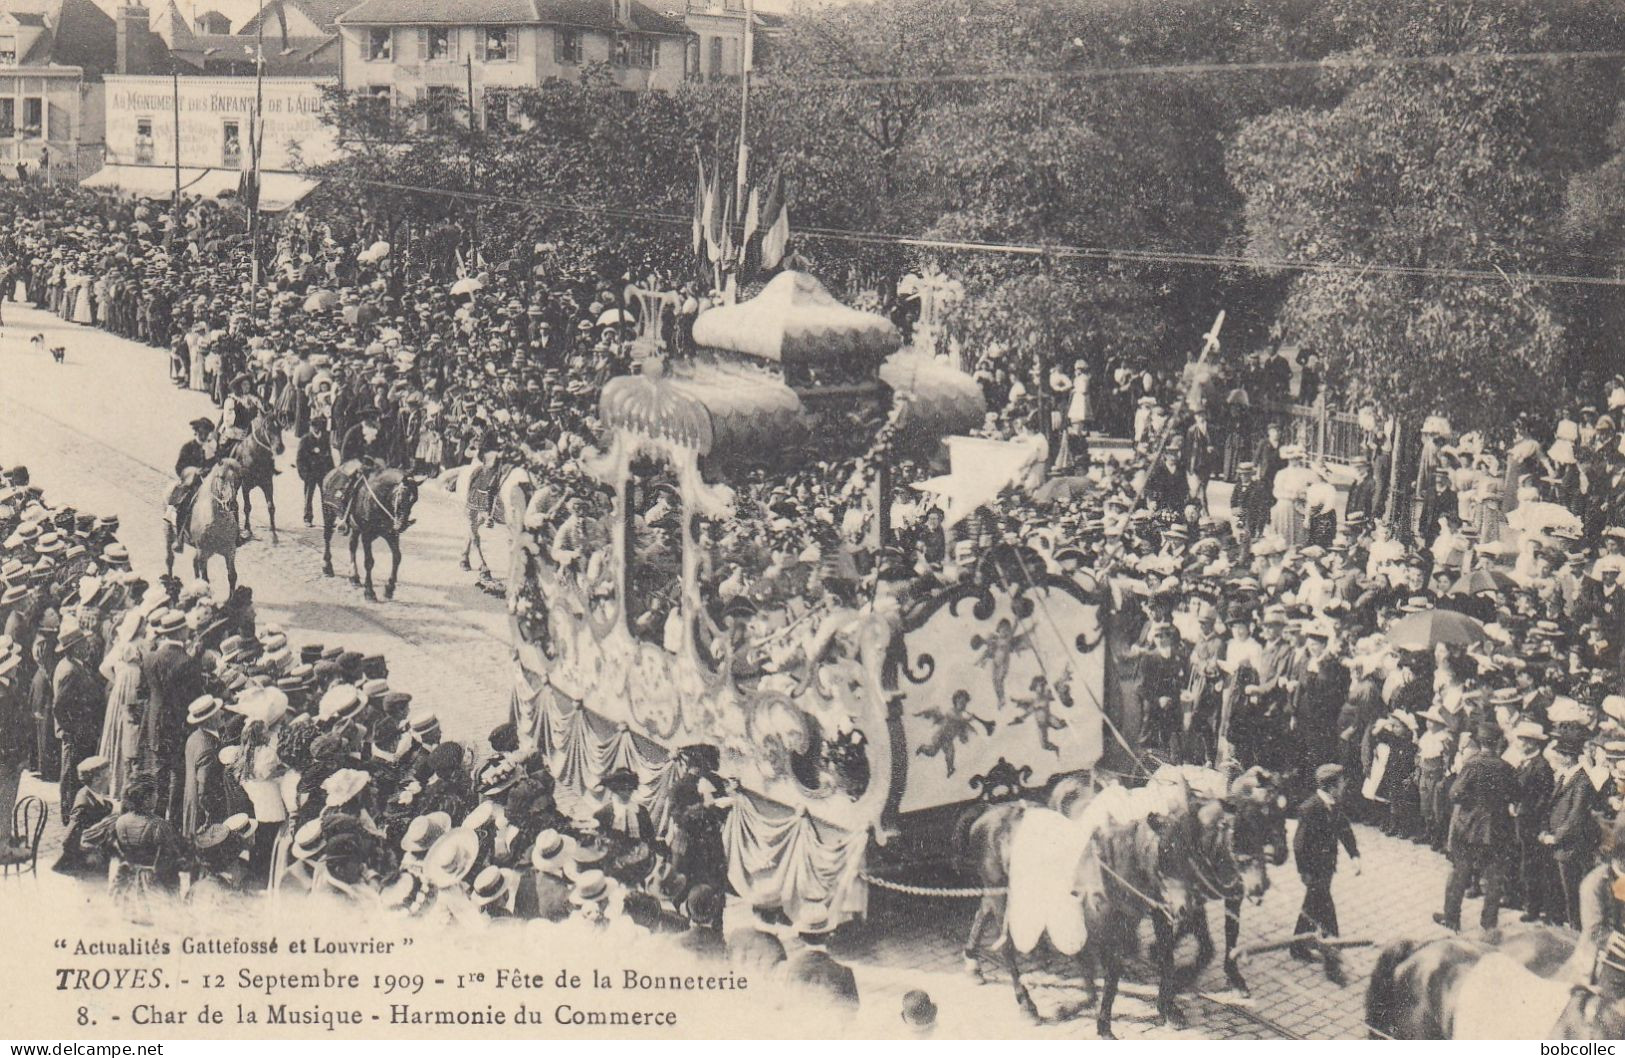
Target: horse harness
(393, 510)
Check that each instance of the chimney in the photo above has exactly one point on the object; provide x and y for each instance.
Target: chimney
(132, 35)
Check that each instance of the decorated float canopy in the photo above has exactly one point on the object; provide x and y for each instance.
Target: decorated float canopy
(745, 397)
(795, 321)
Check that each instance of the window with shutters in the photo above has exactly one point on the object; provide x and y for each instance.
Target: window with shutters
(380, 45)
(231, 145)
(33, 118)
(567, 47)
(497, 47)
(8, 51)
(437, 45)
(620, 50)
(144, 142)
(716, 57)
(646, 53)
(8, 118)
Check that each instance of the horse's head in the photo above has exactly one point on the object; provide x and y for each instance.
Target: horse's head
(1246, 848)
(1260, 815)
(1166, 843)
(227, 478)
(406, 497)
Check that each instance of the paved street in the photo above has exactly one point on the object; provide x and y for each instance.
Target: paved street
(100, 432)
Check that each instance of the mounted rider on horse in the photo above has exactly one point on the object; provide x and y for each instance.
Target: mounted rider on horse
(197, 457)
(363, 449)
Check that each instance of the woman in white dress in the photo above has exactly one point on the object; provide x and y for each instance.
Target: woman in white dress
(1288, 516)
(121, 723)
(259, 771)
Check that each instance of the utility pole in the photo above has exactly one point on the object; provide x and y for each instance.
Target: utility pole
(175, 89)
(473, 175)
(745, 61)
(256, 136)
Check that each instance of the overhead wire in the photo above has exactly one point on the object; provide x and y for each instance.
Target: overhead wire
(1087, 73)
(1162, 258)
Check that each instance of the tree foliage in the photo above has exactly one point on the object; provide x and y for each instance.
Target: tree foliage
(874, 113)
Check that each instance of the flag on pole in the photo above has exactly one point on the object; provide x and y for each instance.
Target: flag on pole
(708, 220)
(248, 184)
(776, 240)
(753, 218)
(777, 217)
(699, 202)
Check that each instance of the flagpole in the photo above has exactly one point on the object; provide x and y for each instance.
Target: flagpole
(175, 88)
(746, 60)
(254, 138)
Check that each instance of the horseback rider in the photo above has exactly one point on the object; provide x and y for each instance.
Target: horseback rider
(197, 457)
(362, 451)
(241, 409)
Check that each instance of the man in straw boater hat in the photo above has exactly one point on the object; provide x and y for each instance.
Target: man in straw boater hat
(205, 794)
(78, 698)
(1534, 776)
(173, 679)
(84, 846)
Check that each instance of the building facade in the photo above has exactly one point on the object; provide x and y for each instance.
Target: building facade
(410, 50)
(53, 54)
(216, 116)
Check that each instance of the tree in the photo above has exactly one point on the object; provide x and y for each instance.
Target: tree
(1439, 167)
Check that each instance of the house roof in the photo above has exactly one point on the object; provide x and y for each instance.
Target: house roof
(323, 13)
(301, 55)
(172, 26)
(77, 33)
(588, 14)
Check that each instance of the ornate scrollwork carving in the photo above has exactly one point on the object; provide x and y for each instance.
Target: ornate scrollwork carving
(1003, 782)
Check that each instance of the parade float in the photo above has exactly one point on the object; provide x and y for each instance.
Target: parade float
(858, 724)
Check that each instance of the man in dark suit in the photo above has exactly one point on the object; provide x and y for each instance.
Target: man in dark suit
(1321, 827)
(173, 681)
(79, 697)
(1571, 832)
(1481, 829)
(1362, 493)
(1529, 814)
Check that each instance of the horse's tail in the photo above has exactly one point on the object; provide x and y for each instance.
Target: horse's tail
(1380, 993)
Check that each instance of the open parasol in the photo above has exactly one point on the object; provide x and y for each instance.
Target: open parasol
(361, 315)
(1426, 630)
(322, 301)
(466, 285)
(1543, 517)
(612, 317)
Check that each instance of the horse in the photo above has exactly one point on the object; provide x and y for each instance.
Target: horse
(257, 453)
(491, 502)
(211, 523)
(382, 508)
(1234, 867)
(1494, 986)
(1117, 869)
